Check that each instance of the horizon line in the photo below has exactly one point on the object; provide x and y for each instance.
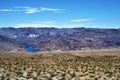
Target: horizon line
(61, 27)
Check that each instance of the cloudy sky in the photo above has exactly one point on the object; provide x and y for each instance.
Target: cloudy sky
(60, 13)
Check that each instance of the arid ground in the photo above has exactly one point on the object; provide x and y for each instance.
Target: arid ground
(67, 65)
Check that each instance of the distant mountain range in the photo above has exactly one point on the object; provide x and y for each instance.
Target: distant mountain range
(48, 39)
(8, 44)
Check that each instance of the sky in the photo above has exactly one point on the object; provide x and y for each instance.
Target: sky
(60, 13)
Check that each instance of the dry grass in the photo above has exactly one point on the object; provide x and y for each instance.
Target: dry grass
(74, 65)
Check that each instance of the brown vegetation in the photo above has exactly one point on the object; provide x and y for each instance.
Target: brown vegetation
(60, 66)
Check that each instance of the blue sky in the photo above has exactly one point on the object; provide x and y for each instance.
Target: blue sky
(60, 13)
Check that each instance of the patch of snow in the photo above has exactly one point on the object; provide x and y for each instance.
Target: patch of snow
(15, 36)
(32, 35)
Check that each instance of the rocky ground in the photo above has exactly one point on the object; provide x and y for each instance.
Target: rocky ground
(59, 66)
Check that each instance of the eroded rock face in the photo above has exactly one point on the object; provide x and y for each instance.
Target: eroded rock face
(11, 45)
(49, 39)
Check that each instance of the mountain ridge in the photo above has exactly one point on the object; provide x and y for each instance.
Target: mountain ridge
(49, 39)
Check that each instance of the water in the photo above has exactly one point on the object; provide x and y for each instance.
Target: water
(30, 48)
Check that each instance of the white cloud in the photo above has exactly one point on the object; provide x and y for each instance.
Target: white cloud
(70, 25)
(30, 10)
(6, 10)
(51, 9)
(41, 25)
(34, 25)
(81, 20)
(48, 24)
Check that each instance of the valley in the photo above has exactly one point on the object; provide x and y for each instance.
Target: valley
(59, 39)
(63, 39)
(59, 54)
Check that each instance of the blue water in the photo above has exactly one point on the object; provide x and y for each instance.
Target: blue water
(30, 48)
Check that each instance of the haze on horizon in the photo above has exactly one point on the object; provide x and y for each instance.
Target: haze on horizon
(60, 13)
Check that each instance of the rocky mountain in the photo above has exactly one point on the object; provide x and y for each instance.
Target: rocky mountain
(7, 44)
(49, 39)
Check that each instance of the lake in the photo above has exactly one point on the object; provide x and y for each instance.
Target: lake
(30, 48)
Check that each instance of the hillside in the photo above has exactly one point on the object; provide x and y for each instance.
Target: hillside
(12, 45)
(49, 39)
